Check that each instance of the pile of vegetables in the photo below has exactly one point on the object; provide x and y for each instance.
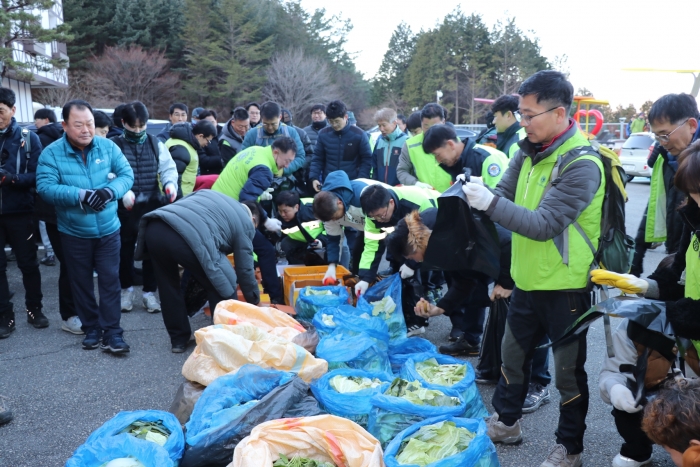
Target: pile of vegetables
(346, 384)
(415, 393)
(296, 461)
(328, 320)
(386, 305)
(150, 431)
(442, 375)
(311, 291)
(432, 443)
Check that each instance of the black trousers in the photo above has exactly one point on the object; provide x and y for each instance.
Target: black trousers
(101, 255)
(640, 247)
(129, 232)
(18, 231)
(167, 250)
(66, 306)
(267, 261)
(473, 312)
(637, 445)
(531, 316)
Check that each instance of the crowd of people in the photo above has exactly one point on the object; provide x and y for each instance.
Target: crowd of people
(107, 193)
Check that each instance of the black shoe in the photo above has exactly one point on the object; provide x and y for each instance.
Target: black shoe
(484, 378)
(37, 319)
(536, 396)
(461, 347)
(114, 344)
(7, 324)
(455, 334)
(92, 340)
(178, 348)
(49, 260)
(5, 416)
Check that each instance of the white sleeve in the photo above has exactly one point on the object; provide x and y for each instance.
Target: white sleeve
(167, 170)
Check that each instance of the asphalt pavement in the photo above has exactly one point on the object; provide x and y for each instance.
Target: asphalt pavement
(60, 393)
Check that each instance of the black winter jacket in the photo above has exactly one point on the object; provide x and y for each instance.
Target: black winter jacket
(49, 133)
(42, 210)
(18, 195)
(347, 150)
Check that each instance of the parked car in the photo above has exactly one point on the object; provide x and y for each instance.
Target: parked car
(634, 154)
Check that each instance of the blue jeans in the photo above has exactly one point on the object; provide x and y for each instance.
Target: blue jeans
(102, 255)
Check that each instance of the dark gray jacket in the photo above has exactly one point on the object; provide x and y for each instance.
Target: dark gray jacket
(213, 225)
(562, 204)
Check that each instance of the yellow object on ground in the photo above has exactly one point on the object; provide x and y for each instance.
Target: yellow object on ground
(223, 349)
(325, 438)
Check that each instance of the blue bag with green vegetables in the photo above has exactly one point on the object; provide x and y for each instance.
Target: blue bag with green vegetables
(401, 350)
(384, 300)
(313, 299)
(349, 349)
(351, 319)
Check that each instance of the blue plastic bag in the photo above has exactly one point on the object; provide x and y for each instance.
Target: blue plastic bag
(229, 397)
(174, 447)
(467, 387)
(308, 304)
(391, 415)
(107, 448)
(389, 287)
(351, 319)
(480, 453)
(343, 349)
(400, 350)
(354, 406)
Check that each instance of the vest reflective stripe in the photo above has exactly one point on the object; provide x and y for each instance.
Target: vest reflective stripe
(313, 228)
(514, 147)
(538, 265)
(235, 175)
(494, 166)
(427, 168)
(379, 236)
(655, 230)
(189, 176)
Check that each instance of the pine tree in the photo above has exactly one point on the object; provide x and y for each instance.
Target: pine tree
(391, 78)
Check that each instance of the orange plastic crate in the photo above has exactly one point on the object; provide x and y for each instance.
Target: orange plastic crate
(302, 273)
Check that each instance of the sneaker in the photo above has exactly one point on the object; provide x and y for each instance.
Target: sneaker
(73, 325)
(48, 260)
(92, 340)
(7, 324)
(461, 347)
(415, 330)
(559, 457)
(178, 348)
(501, 433)
(150, 302)
(622, 461)
(37, 319)
(127, 300)
(114, 344)
(536, 396)
(455, 334)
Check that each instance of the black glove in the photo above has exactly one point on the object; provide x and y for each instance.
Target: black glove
(97, 199)
(5, 177)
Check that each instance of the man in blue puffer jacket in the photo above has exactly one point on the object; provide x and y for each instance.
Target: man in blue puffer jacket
(83, 177)
(340, 147)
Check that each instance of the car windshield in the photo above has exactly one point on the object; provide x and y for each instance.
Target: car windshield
(638, 142)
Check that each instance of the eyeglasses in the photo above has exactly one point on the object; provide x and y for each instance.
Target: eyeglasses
(381, 217)
(526, 119)
(667, 137)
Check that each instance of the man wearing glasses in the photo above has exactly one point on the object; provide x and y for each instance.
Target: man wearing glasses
(550, 258)
(674, 122)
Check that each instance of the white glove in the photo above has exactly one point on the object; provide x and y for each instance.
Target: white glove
(462, 178)
(406, 272)
(423, 185)
(128, 200)
(317, 244)
(330, 273)
(171, 191)
(361, 287)
(622, 399)
(267, 194)
(478, 195)
(273, 225)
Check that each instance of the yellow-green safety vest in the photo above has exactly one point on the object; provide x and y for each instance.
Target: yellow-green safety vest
(692, 274)
(189, 176)
(538, 265)
(426, 167)
(655, 230)
(514, 147)
(313, 228)
(235, 174)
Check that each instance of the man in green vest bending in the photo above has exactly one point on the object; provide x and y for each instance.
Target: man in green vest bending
(247, 177)
(552, 222)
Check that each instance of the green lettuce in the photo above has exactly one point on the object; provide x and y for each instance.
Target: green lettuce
(154, 432)
(345, 384)
(297, 461)
(311, 291)
(415, 393)
(328, 320)
(386, 305)
(442, 375)
(432, 443)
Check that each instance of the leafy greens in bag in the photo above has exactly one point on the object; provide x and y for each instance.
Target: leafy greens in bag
(312, 291)
(296, 461)
(442, 375)
(433, 443)
(150, 431)
(346, 384)
(415, 393)
(386, 305)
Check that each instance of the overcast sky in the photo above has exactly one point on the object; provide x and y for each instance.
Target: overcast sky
(600, 38)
